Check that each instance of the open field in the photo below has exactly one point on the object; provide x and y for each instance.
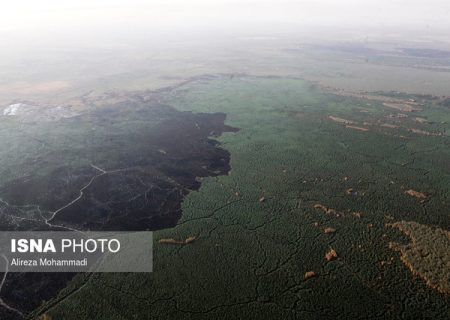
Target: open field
(59, 75)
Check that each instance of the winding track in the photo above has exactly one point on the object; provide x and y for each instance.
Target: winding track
(46, 220)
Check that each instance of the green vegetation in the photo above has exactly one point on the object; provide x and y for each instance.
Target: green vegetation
(250, 255)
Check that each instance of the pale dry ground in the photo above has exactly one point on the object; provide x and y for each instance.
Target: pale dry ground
(27, 88)
(58, 77)
(427, 255)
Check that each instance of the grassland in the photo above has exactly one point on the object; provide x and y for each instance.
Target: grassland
(59, 76)
(261, 230)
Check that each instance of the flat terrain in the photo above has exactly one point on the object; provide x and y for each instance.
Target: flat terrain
(123, 166)
(327, 200)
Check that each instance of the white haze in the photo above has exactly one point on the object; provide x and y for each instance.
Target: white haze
(88, 21)
(53, 49)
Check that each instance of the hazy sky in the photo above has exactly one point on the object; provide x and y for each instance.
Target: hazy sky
(28, 18)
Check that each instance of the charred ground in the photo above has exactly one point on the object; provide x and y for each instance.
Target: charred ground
(123, 166)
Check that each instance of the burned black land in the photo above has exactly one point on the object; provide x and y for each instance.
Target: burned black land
(125, 166)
